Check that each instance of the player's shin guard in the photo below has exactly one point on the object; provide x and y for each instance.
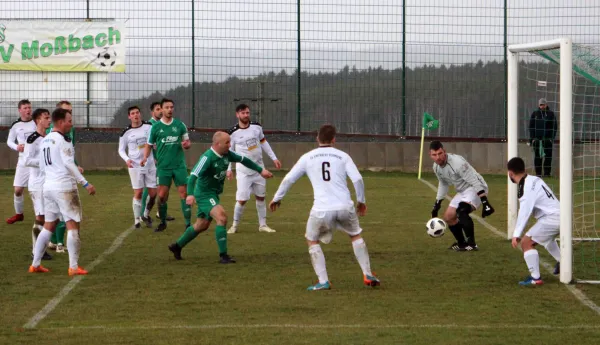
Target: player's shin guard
(187, 237)
(261, 209)
(73, 245)
(318, 261)
(137, 209)
(238, 211)
(162, 210)
(40, 247)
(61, 227)
(532, 259)
(221, 235)
(187, 212)
(362, 255)
(466, 221)
(554, 250)
(19, 201)
(145, 202)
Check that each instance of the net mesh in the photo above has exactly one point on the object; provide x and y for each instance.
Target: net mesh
(539, 78)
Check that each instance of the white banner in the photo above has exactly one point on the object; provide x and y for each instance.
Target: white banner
(62, 46)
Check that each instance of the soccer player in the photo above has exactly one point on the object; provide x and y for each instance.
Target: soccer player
(61, 197)
(471, 192)
(535, 197)
(205, 184)
(327, 168)
(171, 137)
(20, 130)
(41, 117)
(131, 144)
(247, 139)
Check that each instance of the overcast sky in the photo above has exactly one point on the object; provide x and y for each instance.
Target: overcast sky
(248, 37)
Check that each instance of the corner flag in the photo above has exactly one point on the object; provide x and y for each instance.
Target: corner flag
(429, 123)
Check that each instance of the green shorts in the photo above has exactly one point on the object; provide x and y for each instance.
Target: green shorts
(165, 176)
(205, 204)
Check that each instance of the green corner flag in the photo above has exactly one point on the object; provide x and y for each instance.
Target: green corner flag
(429, 122)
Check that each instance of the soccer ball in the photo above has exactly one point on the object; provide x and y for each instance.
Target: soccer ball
(106, 58)
(436, 227)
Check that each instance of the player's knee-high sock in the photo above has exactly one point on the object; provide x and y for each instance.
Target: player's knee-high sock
(40, 247)
(61, 227)
(318, 261)
(554, 250)
(137, 209)
(53, 237)
(238, 211)
(187, 236)
(162, 210)
(73, 245)
(35, 232)
(221, 235)
(457, 231)
(145, 202)
(362, 255)
(261, 209)
(187, 212)
(469, 228)
(532, 259)
(19, 201)
(149, 204)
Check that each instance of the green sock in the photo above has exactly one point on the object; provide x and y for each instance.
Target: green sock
(221, 234)
(53, 238)
(162, 211)
(187, 212)
(60, 232)
(144, 200)
(187, 237)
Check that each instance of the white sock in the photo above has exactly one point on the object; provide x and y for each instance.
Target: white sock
(35, 232)
(40, 247)
(73, 246)
(137, 209)
(146, 210)
(362, 255)
(532, 259)
(19, 200)
(554, 250)
(261, 209)
(238, 210)
(318, 261)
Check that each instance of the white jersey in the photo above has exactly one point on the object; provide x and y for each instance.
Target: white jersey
(535, 197)
(132, 143)
(31, 159)
(327, 168)
(18, 134)
(249, 142)
(57, 162)
(459, 173)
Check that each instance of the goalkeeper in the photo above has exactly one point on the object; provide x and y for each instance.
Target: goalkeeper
(471, 192)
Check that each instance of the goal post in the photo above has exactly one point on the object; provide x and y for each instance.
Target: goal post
(566, 139)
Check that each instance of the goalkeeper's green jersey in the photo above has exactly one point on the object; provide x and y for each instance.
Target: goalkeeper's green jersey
(168, 138)
(208, 175)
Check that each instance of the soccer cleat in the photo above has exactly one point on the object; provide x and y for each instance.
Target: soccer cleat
(232, 229)
(39, 269)
(161, 227)
(137, 225)
(46, 256)
(60, 248)
(15, 218)
(319, 286)
(147, 221)
(265, 228)
(556, 269)
(176, 250)
(52, 246)
(529, 281)
(168, 218)
(371, 280)
(79, 271)
(457, 247)
(226, 259)
(470, 247)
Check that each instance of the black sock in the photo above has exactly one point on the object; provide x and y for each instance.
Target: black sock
(457, 231)
(469, 228)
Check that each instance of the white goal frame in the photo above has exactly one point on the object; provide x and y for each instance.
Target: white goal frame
(566, 140)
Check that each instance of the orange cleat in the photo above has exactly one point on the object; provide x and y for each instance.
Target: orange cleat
(79, 271)
(15, 218)
(371, 280)
(39, 269)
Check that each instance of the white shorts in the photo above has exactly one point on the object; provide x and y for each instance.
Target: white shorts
(544, 230)
(142, 178)
(321, 224)
(250, 184)
(21, 176)
(59, 203)
(37, 198)
(469, 196)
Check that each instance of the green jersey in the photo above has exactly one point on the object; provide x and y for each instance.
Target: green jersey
(153, 120)
(168, 138)
(71, 133)
(208, 175)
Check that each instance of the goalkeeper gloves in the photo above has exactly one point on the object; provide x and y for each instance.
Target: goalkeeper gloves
(488, 210)
(436, 208)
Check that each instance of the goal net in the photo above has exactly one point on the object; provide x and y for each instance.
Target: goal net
(566, 77)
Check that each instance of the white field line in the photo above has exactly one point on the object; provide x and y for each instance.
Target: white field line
(581, 297)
